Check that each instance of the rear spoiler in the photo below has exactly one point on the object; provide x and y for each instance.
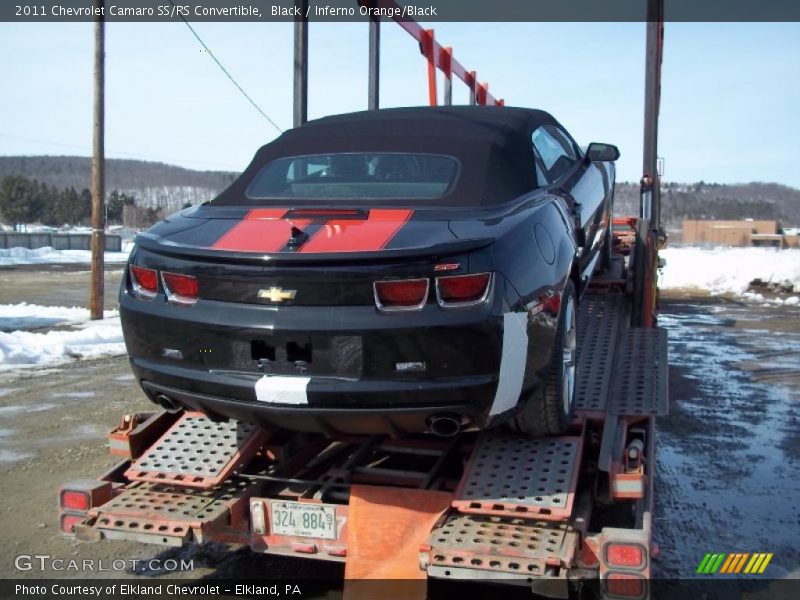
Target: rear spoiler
(165, 247)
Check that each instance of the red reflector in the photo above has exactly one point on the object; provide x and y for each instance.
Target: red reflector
(75, 500)
(407, 293)
(304, 548)
(336, 550)
(145, 279)
(69, 521)
(621, 584)
(180, 287)
(459, 289)
(624, 555)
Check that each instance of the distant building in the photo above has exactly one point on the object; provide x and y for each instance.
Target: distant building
(748, 232)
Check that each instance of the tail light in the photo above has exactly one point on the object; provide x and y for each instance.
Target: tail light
(75, 500)
(463, 290)
(624, 585)
(180, 288)
(145, 281)
(624, 555)
(402, 294)
(68, 522)
(83, 494)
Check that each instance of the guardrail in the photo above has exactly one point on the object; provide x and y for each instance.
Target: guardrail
(59, 241)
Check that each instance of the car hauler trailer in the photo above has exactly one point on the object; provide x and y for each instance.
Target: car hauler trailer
(549, 513)
(556, 514)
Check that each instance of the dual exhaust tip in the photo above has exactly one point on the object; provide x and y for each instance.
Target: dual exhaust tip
(445, 424)
(168, 403)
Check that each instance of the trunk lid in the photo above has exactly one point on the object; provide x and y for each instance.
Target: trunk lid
(294, 257)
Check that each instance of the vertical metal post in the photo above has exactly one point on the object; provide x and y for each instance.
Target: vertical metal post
(474, 77)
(301, 65)
(651, 199)
(98, 172)
(648, 240)
(447, 67)
(481, 93)
(374, 63)
(429, 49)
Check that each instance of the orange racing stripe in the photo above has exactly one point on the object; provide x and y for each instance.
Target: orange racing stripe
(353, 235)
(261, 230)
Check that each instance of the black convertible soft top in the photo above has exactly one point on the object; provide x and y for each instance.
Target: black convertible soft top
(493, 145)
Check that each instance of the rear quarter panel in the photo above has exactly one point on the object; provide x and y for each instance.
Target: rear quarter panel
(535, 254)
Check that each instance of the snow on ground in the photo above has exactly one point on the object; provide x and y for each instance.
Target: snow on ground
(82, 339)
(730, 270)
(35, 316)
(48, 255)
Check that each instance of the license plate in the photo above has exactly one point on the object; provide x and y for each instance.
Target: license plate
(303, 520)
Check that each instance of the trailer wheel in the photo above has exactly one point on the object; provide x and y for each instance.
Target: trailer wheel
(548, 410)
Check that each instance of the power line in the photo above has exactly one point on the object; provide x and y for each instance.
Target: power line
(224, 70)
(130, 154)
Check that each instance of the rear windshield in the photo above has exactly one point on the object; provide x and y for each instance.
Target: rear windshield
(356, 175)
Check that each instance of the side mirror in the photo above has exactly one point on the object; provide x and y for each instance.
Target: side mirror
(597, 152)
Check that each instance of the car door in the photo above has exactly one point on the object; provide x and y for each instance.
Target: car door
(584, 185)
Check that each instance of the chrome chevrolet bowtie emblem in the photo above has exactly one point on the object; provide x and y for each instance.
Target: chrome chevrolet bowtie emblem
(276, 294)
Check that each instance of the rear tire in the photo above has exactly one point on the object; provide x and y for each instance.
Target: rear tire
(548, 410)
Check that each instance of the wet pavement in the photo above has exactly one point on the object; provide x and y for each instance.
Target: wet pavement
(728, 455)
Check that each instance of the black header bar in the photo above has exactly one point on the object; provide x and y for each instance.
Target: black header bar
(418, 10)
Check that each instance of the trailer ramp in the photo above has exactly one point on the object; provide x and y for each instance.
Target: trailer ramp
(516, 510)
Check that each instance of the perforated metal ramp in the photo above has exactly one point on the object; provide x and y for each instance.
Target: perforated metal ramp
(598, 327)
(509, 475)
(614, 275)
(502, 544)
(640, 378)
(167, 512)
(198, 452)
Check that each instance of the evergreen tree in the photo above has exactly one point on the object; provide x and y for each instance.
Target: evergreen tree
(20, 200)
(116, 203)
(83, 212)
(68, 205)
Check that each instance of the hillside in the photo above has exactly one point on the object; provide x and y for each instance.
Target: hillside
(158, 185)
(717, 201)
(152, 184)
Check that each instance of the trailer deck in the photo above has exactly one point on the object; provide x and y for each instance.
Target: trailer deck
(548, 513)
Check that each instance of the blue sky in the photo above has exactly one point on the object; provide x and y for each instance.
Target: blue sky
(730, 103)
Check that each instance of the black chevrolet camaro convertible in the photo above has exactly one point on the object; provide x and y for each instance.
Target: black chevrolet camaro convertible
(393, 271)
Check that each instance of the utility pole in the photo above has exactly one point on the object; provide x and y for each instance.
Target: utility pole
(301, 65)
(98, 171)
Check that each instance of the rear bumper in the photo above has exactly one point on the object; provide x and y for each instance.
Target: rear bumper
(389, 407)
(202, 358)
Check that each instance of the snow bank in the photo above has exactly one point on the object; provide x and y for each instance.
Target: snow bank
(86, 339)
(48, 255)
(728, 270)
(36, 316)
